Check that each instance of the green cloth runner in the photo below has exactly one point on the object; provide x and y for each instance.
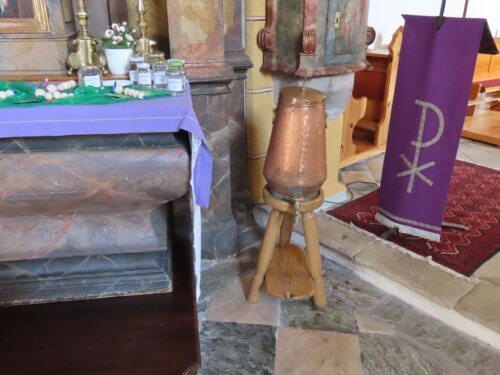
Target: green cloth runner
(25, 95)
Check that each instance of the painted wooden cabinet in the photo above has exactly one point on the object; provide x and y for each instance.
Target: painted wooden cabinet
(314, 37)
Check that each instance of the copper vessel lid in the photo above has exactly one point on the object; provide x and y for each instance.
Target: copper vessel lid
(301, 96)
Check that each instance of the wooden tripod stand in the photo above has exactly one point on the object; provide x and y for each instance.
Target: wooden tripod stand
(288, 273)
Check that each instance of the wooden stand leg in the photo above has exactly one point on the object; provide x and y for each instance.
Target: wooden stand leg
(286, 230)
(314, 257)
(266, 253)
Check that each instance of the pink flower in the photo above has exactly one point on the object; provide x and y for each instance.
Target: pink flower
(108, 33)
(117, 39)
(114, 26)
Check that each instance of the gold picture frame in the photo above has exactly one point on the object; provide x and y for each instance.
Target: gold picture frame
(38, 23)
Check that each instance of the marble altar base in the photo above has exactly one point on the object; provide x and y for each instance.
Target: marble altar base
(88, 216)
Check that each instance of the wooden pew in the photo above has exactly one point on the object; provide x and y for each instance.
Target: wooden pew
(368, 114)
(482, 122)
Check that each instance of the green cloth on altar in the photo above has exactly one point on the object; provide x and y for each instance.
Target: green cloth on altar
(25, 95)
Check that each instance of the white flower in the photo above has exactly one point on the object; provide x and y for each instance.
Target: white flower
(114, 26)
(134, 30)
(121, 29)
(129, 37)
(108, 33)
(124, 23)
(117, 39)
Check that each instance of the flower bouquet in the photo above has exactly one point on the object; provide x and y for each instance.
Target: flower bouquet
(118, 43)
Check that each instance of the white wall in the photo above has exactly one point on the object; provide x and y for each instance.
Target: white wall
(489, 9)
(385, 15)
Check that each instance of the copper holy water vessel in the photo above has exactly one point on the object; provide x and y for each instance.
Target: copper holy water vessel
(295, 166)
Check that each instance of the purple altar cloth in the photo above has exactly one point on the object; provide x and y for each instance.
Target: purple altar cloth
(162, 115)
(430, 101)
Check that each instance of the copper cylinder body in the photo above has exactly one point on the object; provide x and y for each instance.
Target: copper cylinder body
(295, 166)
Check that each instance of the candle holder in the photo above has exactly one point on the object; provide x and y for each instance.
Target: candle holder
(86, 54)
(144, 45)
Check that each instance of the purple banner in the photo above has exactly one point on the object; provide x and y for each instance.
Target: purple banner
(163, 115)
(430, 101)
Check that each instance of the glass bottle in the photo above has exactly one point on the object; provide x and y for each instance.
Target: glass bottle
(132, 68)
(144, 78)
(90, 76)
(176, 77)
(159, 68)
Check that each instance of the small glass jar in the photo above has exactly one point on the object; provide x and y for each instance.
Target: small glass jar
(176, 77)
(159, 68)
(90, 76)
(144, 78)
(132, 68)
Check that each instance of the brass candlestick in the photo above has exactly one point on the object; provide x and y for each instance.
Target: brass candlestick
(144, 45)
(86, 53)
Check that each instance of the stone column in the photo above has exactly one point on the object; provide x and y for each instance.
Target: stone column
(196, 31)
(197, 35)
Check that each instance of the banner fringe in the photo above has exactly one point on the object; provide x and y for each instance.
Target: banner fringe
(431, 236)
(394, 246)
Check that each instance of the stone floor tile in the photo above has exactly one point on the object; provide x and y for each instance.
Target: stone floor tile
(359, 189)
(301, 352)
(218, 274)
(482, 305)
(346, 286)
(474, 355)
(356, 167)
(345, 294)
(243, 349)
(229, 304)
(417, 275)
(336, 316)
(393, 355)
(347, 177)
(481, 153)
(214, 277)
(463, 156)
(367, 324)
(375, 165)
(339, 236)
(490, 271)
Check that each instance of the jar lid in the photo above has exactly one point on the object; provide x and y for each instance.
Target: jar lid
(137, 58)
(143, 65)
(175, 62)
(156, 56)
(301, 96)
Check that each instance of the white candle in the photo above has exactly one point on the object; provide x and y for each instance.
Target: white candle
(140, 5)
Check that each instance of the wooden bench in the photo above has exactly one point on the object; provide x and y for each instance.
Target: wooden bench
(368, 113)
(482, 122)
(479, 96)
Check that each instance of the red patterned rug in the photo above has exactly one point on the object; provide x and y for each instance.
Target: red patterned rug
(473, 201)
